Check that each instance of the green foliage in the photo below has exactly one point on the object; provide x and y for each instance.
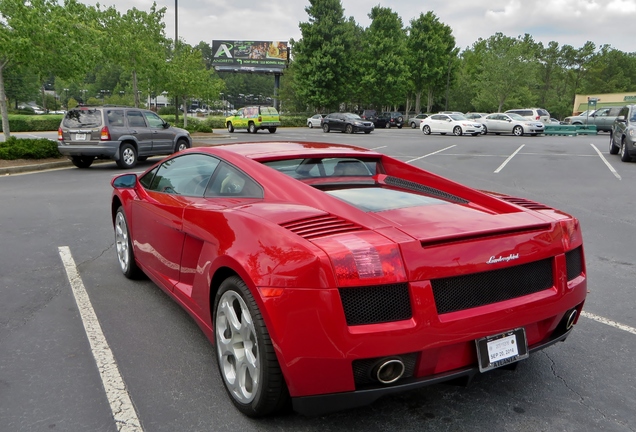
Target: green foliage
(33, 123)
(14, 148)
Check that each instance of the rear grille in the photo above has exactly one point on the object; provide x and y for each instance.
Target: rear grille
(532, 205)
(363, 369)
(376, 304)
(574, 263)
(464, 292)
(320, 226)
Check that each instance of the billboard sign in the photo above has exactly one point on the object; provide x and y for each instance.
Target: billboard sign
(248, 56)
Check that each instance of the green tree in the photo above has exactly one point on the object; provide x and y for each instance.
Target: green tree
(323, 71)
(431, 51)
(136, 41)
(384, 58)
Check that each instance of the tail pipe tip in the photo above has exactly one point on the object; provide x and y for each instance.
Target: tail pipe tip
(389, 371)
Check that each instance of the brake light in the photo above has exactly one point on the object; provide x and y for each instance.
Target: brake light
(105, 134)
(60, 135)
(537, 118)
(364, 258)
(572, 235)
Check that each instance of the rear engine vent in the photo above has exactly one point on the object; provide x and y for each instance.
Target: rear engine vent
(464, 292)
(407, 184)
(532, 205)
(376, 304)
(574, 263)
(320, 226)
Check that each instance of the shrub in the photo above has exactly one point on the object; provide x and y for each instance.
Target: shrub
(40, 148)
(31, 123)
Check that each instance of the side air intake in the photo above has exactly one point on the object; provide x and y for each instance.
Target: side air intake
(320, 226)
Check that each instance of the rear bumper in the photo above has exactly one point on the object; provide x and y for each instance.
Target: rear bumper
(327, 403)
(103, 150)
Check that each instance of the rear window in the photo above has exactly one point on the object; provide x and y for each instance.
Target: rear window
(269, 110)
(525, 113)
(378, 199)
(82, 118)
(543, 112)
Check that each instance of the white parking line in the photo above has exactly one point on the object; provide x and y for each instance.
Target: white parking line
(609, 322)
(430, 154)
(508, 160)
(611, 168)
(121, 405)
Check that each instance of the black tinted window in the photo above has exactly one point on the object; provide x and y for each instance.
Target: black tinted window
(135, 119)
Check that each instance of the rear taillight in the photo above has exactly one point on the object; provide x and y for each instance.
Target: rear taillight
(364, 258)
(105, 134)
(260, 119)
(537, 118)
(60, 135)
(572, 236)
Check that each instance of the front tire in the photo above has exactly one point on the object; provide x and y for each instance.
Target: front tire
(181, 145)
(82, 161)
(613, 148)
(127, 156)
(457, 131)
(625, 157)
(517, 131)
(230, 127)
(426, 129)
(245, 353)
(349, 129)
(123, 247)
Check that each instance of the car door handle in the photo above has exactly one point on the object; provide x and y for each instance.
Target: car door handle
(134, 132)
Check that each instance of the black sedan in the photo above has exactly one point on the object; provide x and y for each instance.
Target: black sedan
(346, 122)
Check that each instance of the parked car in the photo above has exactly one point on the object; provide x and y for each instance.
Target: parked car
(623, 134)
(346, 122)
(369, 114)
(123, 134)
(389, 120)
(602, 118)
(510, 123)
(532, 114)
(456, 124)
(315, 120)
(554, 121)
(254, 118)
(415, 121)
(334, 275)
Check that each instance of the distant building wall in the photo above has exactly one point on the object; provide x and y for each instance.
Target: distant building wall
(605, 100)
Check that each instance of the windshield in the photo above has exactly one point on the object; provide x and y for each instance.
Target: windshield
(457, 117)
(353, 116)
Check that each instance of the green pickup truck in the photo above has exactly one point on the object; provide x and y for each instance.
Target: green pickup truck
(254, 118)
(603, 118)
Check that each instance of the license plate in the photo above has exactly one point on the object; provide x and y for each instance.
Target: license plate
(80, 137)
(501, 349)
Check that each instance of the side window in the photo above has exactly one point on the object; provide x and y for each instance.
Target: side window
(146, 180)
(614, 111)
(184, 175)
(135, 119)
(603, 113)
(230, 182)
(115, 118)
(154, 120)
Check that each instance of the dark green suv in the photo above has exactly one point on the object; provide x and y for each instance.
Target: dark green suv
(123, 134)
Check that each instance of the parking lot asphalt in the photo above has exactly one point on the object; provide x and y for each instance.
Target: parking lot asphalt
(50, 381)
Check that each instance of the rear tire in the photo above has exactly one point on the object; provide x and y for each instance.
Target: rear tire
(245, 353)
(127, 156)
(311, 125)
(484, 130)
(251, 128)
(82, 161)
(412, 125)
(272, 130)
(325, 127)
(457, 131)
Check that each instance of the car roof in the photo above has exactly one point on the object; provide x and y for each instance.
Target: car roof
(285, 149)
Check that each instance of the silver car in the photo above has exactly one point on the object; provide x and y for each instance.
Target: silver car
(315, 120)
(510, 123)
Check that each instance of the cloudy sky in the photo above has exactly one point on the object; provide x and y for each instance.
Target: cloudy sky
(570, 22)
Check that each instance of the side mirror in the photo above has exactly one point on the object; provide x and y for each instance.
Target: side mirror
(166, 125)
(125, 181)
(621, 119)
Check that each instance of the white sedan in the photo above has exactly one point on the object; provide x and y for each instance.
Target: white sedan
(314, 121)
(456, 124)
